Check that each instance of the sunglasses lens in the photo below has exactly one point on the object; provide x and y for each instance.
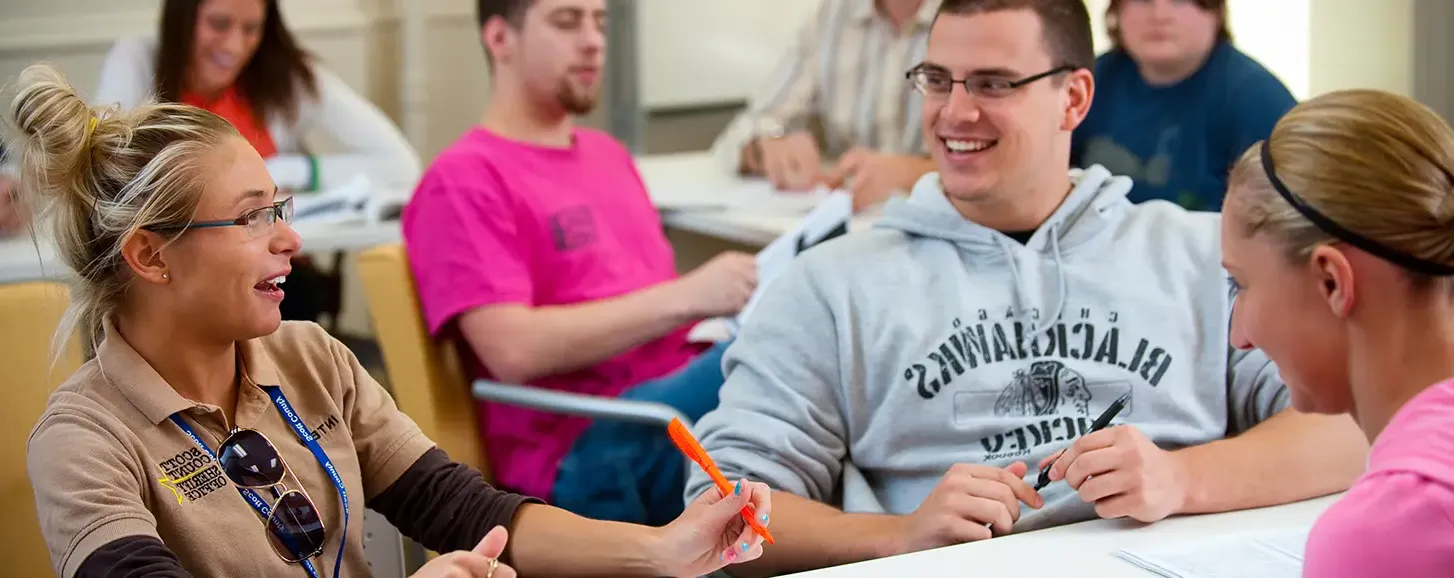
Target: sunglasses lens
(250, 461)
(294, 528)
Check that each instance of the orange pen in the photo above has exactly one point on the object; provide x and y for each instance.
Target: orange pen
(689, 445)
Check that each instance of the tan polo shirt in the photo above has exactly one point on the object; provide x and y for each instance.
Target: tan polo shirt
(104, 454)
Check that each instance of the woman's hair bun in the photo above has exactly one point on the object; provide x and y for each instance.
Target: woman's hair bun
(55, 125)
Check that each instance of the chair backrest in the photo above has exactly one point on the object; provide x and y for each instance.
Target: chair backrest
(29, 315)
(425, 375)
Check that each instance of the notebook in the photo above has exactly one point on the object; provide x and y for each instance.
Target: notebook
(1265, 554)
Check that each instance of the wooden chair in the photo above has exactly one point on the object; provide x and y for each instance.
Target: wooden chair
(428, 381)
(29, 315)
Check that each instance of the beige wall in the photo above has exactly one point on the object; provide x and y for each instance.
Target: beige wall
(1362, 44)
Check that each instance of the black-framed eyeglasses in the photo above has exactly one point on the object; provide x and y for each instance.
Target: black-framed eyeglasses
(257, 221)
(938, 82)
(295, 529)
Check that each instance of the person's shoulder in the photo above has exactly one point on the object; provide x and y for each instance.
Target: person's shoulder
(595, 141)
(1420, 437)
(473, 159)
(128, 72)
(1168, 227)
(1240, 73)
(135, 48)
(1387, 523)
(84, 404)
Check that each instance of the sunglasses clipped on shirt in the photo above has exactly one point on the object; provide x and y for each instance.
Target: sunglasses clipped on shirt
(295, 528)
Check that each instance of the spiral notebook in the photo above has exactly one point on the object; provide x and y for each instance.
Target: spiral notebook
(1264, 554)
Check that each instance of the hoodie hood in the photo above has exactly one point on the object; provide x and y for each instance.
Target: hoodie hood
(1096, 203)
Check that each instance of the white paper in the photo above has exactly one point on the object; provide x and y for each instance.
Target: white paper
(835, 210)
(1266, 554)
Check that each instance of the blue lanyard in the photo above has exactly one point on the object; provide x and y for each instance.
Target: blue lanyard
(286, 409)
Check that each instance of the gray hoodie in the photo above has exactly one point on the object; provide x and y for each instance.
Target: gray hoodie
(880, 359)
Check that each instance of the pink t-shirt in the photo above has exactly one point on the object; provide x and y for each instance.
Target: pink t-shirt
(1398, 518)
(497, 221)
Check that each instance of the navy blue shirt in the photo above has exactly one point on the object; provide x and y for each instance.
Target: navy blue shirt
(1178, 142)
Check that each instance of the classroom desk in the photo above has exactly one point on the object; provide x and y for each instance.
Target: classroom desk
(1083, 550)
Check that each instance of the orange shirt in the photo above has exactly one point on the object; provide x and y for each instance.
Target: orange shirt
(234, 107)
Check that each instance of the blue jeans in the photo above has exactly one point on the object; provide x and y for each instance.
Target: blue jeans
(631, 472)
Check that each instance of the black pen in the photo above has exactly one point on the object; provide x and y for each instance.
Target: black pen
(1098, 425)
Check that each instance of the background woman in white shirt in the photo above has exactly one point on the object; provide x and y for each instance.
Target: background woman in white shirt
(236, 59)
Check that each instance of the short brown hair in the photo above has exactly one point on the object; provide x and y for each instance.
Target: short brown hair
(1066, 25)
(1218, 7)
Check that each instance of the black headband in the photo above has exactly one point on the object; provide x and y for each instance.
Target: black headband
(1327, 225)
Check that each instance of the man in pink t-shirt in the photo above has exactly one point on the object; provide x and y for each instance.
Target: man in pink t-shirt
(534, 242)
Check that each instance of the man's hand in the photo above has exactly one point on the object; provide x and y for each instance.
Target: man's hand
(1123, 473)
(967, 498)
(791, 162)
(876, 176)
(719, 287)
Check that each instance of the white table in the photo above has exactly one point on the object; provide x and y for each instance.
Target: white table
(1082, 550)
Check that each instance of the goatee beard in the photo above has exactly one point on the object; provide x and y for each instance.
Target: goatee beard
(573, 102)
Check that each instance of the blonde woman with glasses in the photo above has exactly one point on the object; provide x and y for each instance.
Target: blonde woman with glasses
(209, 437)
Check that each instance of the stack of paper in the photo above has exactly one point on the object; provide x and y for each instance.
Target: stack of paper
(1267, 554)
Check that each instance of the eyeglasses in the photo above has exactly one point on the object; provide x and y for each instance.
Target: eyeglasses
(257, 222)
(938, 83)
(294, 526)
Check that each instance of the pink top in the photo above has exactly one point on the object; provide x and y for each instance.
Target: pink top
(1398, 518)
(499, 221)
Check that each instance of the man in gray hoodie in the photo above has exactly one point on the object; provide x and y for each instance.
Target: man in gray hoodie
(901, 387)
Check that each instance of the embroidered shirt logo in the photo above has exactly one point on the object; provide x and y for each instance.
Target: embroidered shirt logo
(191, 475)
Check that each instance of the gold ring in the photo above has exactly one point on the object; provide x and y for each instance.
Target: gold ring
(494, 563)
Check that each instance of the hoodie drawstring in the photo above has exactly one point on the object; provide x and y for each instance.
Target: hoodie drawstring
(1063, 289)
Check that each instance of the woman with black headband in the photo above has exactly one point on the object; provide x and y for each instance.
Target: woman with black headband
(209, 438)
(1339, 233)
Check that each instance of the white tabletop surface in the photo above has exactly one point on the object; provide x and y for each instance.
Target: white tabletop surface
(1083, 550)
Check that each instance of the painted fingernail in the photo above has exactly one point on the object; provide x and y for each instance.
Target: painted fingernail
(745, 547)
(739, 487)
(763, 518)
